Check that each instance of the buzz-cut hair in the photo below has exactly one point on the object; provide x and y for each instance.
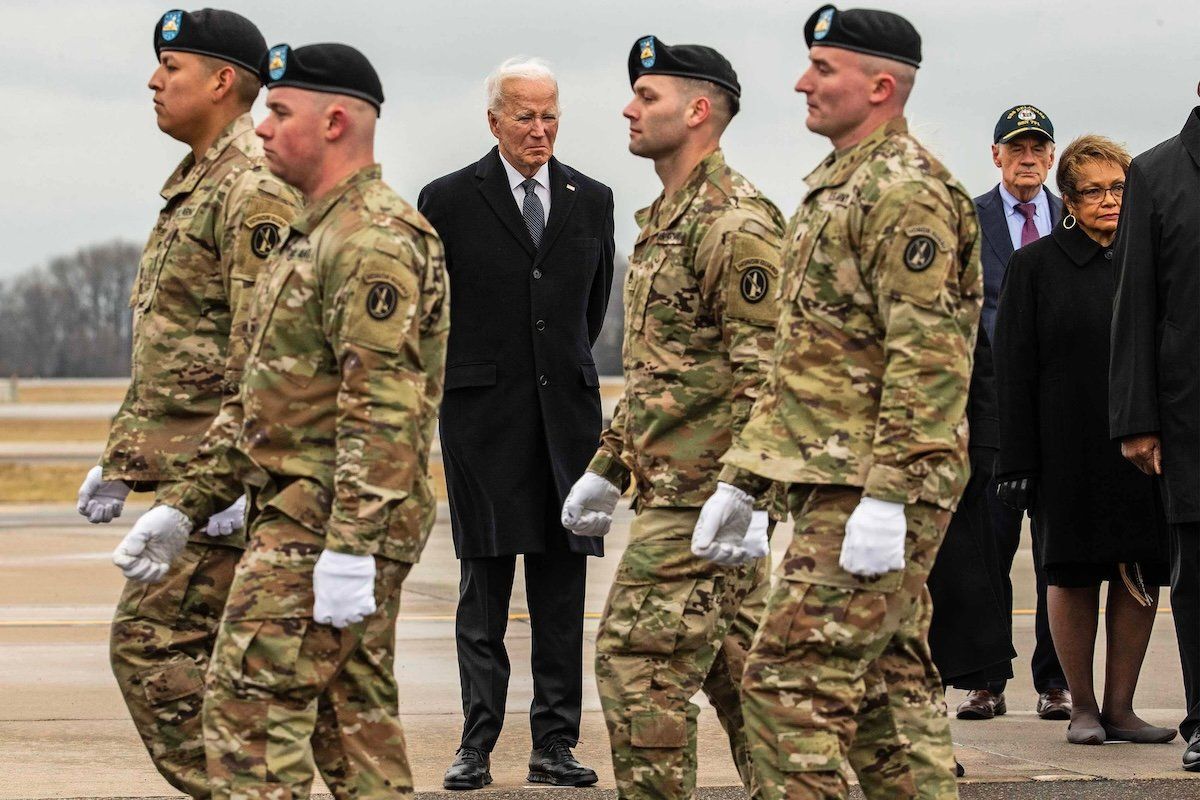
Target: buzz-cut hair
(246, 85)
(517, 68)
(724, 102)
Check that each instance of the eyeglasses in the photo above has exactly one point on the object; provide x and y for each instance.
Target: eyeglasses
(1095, 194)
(526, 120)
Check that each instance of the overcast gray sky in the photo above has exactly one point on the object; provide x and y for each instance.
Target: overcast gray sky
(82, 159)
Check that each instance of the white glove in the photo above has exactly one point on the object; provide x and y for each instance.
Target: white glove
(756, 544)
(589, 506)
(154, 541)
(874, 542)
(344, 587)
(722, 526)
(226, 522)
(101, 500)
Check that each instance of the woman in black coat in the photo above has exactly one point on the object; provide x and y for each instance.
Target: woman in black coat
(1100, 519)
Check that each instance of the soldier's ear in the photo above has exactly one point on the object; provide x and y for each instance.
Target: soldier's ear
(699, 109)
(336, 122)
(224, 78)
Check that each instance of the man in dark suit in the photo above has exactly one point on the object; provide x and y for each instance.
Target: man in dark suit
(1154, 372)
(529, 251)
(1017, 211)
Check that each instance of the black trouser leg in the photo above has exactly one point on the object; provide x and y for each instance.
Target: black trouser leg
(554, 586)
(1047, 672)
(484, 590)
(1006, 527)
(1185, 608)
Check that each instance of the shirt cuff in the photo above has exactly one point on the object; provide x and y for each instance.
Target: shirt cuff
(354, 537)
(184, 497)
(892, 484)
(754, 485)
(611, 469)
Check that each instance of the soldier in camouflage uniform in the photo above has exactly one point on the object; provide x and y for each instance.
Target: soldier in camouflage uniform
(864, 415)
(699, 325)
(339, 399)
(222, 216)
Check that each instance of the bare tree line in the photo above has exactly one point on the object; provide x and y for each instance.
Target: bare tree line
(71, 318)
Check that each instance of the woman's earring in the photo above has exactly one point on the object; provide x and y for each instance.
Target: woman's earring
(1069, 221)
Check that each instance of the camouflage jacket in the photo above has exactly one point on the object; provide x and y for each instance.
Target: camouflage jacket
(700, 315)
(190, 301)
(880, 304)
(344, 376)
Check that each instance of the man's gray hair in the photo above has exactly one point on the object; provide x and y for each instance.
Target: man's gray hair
(520, 67)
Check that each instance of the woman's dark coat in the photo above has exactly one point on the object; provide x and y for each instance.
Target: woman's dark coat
(1051, 353)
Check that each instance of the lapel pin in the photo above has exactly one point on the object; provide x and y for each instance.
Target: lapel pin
(570, 188)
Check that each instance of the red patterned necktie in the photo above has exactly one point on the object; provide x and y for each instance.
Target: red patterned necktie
(1029, 231)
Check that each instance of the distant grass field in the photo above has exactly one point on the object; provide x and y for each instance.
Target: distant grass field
(58, 482)
(36, 481)
(41, 483)
(67, 392)
(54, 430)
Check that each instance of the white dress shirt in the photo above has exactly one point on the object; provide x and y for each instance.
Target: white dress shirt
(1016, 220)
(542, 190)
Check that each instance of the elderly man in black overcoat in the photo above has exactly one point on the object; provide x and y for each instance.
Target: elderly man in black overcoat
(971, 631)
(1154, 369)
(529, 251)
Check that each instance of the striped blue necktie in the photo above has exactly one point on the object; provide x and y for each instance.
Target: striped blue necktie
(531, 209)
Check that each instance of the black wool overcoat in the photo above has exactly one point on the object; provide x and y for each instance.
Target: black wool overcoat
(1051, 355)
(1155, 368)
(521, 415)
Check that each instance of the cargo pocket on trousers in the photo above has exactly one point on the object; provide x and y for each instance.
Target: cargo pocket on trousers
(658, 729)
(264, 654)
(174, 683)
(808, 751)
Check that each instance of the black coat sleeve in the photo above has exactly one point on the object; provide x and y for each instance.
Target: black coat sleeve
(1133, 359)
(1015, 355)
(602, 283)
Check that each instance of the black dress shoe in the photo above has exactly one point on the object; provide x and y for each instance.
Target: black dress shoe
(1191, 756)
(469, 770)
(554, 764)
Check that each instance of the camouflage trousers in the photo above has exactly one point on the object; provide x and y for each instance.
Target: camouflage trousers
(839, 675)
(674, 624)
(286, 694)
(160, 646)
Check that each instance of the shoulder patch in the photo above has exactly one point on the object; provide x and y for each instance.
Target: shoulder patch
(382, 299)
(266, 231)
(669, 238)
(919, 252)
(925, 230)
(752, 279)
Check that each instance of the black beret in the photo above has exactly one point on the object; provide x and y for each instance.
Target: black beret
(652, 56)
(865, 30)
(211, 32)
(329, 67)
(1022, 119)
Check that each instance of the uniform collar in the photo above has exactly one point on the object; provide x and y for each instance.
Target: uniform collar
(1078, 246)
(664, 211)
(313, 214)
(188, 174)
(839, 165)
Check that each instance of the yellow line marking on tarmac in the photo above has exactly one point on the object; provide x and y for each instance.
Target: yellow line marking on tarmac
(94, 623)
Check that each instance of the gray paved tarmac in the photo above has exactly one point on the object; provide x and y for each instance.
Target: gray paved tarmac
(64, 732)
